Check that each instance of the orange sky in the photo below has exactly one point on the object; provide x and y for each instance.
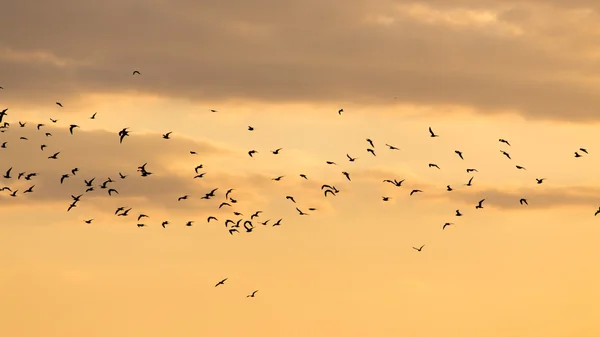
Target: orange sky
(475, 71)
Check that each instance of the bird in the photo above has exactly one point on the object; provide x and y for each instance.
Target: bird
(504, 141)
(54, 156)
(479, 204)
(251, 152)
(137, 72)
(276, 151)
(347, 175)
(93, 116)
(291, 198)
(250, 128)
(459, 154)
(414, 191)
(506, 154)
(221, 282)
(434, 165)
(523, 201)
(370, 142)
(432, 133)
(469, 170)
(59, 104)
(539, 181)
(122, 134)
(418, 249)
(211, 218)
(350, 158)
(166, 135)
(597, 212)
(88, 221)
(277, 178)
(469, 183)
(110, 190)
(458, 213)
(447, 224)
(448, 188)
(182, 198)
(7, 174)
(577, 155)
(340, 111)
(71, 127)
(253, 293)
(301, 213)
(371, 151)
(391, 147)
(583, 150)
(520, 167)
(385, 198)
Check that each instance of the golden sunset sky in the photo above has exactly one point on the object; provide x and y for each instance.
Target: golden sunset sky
(474, 70)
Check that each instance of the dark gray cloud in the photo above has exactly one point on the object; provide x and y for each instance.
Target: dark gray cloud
(306, 51)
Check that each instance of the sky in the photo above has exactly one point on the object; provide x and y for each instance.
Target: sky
(475, 71)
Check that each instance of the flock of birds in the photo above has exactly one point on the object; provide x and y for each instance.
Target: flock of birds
(235, 224)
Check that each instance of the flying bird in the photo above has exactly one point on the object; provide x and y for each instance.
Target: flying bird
(418, 249)
(137, 72)
(221, 282)
(479, 204)
(459, 154)
(432, 133)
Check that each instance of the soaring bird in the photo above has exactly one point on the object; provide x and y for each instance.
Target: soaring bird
(447, 224)
(221, 282)
(137, 72)
(503, 141)
(253, 293)
(432, 133)
(391, 147)
(59, 104)
(459, 154)
(122, 134)
(414, 191)
(418, 249)
(71, 127)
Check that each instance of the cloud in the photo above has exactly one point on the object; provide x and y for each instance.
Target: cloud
(98, 154)
(494, 56)
(538, 198)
